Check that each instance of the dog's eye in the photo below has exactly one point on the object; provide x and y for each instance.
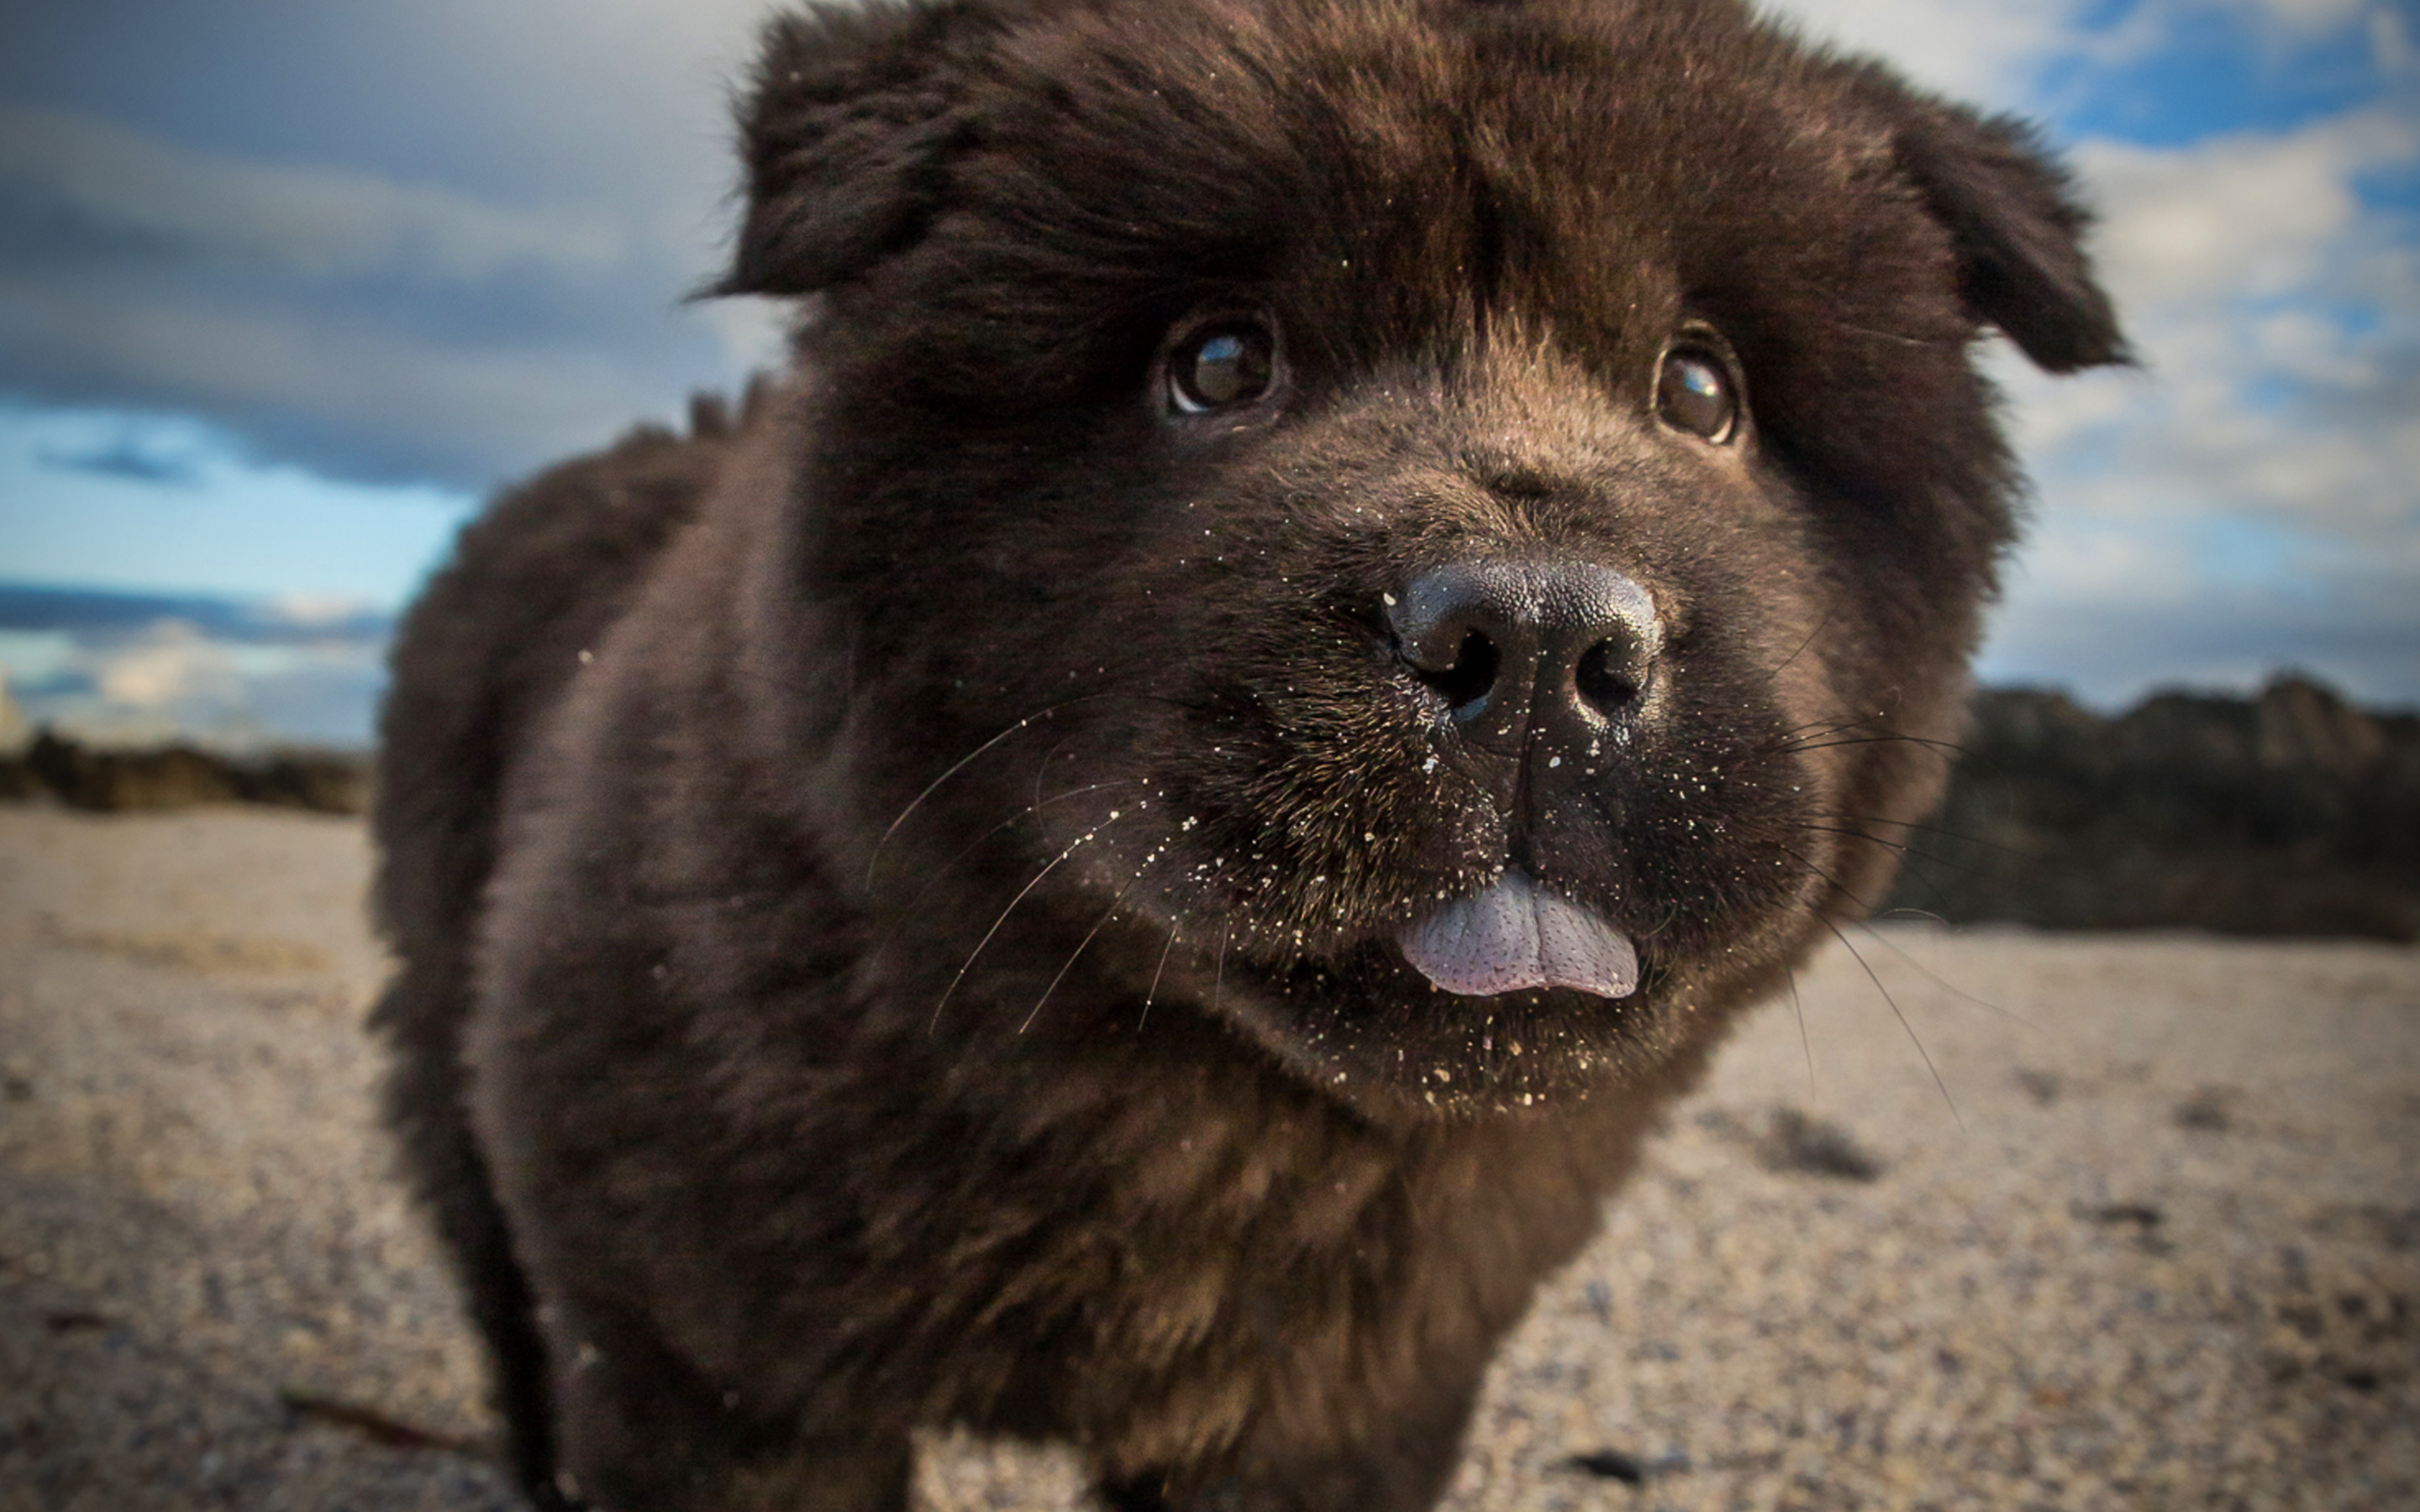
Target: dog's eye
(1230, 363)
(1693, 393)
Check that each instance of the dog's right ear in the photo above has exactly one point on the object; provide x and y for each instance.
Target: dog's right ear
(848, 130)
(2013, 218)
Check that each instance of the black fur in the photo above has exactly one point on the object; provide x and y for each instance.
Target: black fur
(898, 894)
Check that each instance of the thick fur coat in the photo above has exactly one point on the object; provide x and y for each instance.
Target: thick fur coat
(1127, 855)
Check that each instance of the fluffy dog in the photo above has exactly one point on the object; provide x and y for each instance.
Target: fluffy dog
(1130, 853)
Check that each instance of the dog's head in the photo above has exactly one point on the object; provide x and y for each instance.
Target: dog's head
(1448, 532)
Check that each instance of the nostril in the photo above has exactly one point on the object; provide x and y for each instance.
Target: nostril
(1609, 676)
(1471, 677)
(1555, 642)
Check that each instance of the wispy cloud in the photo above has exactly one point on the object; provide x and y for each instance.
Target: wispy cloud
(464, 312)
(119, 668)
(314, 381)
(128, 192)
(129, 456)
(2248, 216)
(100, 614)
(127, 498)
(1986, 49)
(2260, 478)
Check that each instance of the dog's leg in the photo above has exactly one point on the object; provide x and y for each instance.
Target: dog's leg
(1402, 1467)
(642, 1432)
(424, 1103)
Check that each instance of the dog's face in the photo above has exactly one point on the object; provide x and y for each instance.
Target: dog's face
(1441, 532)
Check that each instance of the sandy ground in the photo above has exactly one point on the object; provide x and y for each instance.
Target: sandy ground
(2152, 1241)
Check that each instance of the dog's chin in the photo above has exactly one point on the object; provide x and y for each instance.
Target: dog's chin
(1369, 1025)
(1522, 989)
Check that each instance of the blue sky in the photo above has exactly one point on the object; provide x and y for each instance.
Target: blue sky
(285, 288)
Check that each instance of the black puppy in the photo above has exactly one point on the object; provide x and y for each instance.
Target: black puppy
(1129, 856)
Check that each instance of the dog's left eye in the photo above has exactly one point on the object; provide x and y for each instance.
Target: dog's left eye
(1693, 393)
(1230, 363)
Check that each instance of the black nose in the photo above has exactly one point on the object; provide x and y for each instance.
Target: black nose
(1558, 646)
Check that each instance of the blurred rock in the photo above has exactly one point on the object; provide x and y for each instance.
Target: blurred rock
(181, 776)
(2292, 813)
(16, 730)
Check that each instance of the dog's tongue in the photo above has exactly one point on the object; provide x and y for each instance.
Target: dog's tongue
(1517, 935)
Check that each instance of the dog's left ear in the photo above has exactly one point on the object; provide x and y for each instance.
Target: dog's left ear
(849, 132)
(2014, 218)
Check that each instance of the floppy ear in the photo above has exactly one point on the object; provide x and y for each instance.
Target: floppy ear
(2013, 216)
(848, 132)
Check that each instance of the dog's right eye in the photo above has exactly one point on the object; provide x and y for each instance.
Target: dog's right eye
(1233, 362)
(1694, 393)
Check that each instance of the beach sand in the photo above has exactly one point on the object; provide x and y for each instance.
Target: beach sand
(2150, 1238)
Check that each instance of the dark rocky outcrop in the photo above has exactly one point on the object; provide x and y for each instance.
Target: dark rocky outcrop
(2291, 814)
(178, 776)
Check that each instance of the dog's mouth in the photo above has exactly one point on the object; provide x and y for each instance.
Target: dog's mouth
(1474, 1007)
(1516, 936)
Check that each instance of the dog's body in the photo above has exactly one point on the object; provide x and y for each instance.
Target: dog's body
(1131, 856)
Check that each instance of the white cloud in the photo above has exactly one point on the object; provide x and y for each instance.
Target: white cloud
(2256, 484)
(312, 221)
(322, 611)
(2273, 313)
(1985, 50)
(755, 333)
(173, 680)
(172, 666)
(2247, 216)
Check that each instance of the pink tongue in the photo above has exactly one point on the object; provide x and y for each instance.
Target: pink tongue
(1517, 935)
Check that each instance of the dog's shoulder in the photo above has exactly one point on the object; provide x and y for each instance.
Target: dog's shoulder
(532, 583)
